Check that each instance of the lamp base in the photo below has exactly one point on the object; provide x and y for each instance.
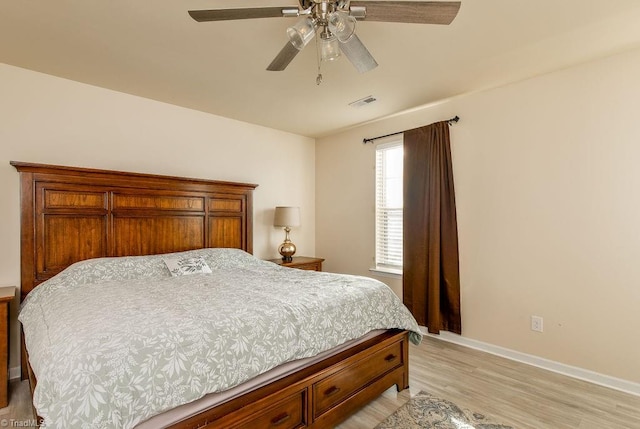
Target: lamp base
(287, 250)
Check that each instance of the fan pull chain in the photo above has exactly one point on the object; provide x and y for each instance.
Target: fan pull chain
(318, 59)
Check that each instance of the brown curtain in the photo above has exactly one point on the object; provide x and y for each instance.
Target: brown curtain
(431, 278)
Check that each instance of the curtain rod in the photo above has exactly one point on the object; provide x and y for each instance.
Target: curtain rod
(365, 141)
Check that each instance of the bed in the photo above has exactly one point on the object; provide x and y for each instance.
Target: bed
(97, 243)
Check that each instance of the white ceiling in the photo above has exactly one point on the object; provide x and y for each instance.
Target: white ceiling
(155, 50)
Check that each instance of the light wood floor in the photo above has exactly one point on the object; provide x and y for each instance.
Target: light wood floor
(509, 392)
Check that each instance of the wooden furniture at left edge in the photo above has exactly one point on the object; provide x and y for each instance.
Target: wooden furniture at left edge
(6, 296)
(70, 214)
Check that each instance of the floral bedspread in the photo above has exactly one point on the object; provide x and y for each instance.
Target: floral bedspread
(114, 341)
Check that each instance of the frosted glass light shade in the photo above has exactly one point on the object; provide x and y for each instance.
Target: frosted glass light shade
(329, 49)
(301, 33)
(342, 25)
(287, 216)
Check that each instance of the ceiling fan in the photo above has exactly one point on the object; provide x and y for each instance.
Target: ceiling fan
(334, 21)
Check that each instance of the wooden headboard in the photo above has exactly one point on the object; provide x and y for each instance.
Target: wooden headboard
(70, 214)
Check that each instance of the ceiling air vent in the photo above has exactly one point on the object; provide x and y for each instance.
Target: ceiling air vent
(363, 101)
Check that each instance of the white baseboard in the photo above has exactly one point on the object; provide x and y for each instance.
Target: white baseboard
(568, 370)
(14, 373)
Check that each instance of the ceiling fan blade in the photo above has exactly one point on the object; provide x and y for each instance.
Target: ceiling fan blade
(358, 54)
(416, 12)
(284, 57)
(247, 13)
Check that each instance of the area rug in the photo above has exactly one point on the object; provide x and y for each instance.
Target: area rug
(425, 411)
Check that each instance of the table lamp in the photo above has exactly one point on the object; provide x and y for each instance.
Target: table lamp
(286, 217)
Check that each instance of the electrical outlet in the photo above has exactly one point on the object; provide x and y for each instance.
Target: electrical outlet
(536, 323)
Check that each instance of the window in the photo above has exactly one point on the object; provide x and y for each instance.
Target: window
(389, 158)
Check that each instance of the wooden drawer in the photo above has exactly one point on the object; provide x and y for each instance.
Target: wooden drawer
(288, 413)
(309, 267)
(301, 263)
(337, 387)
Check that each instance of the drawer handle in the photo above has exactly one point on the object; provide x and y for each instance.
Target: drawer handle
(390, 358)
(280, 418)
(331, 391)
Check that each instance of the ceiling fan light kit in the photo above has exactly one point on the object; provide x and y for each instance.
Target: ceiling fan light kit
(329, 47)
(301, 33)
(335, 22)
(341, 25)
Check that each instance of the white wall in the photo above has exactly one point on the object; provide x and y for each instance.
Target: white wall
(547, 183)
(49, 120)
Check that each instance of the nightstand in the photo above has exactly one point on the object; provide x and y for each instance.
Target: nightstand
(6, 295)
(301, 263)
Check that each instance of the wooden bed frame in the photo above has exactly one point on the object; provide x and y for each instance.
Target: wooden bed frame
(70, 214)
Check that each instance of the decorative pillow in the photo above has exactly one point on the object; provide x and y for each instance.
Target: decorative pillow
(182, 266)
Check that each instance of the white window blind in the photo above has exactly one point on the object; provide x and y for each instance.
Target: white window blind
(389, 160)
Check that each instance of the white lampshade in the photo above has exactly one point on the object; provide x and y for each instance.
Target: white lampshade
(287, 216)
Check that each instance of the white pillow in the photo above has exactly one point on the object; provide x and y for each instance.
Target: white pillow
(181, 266)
